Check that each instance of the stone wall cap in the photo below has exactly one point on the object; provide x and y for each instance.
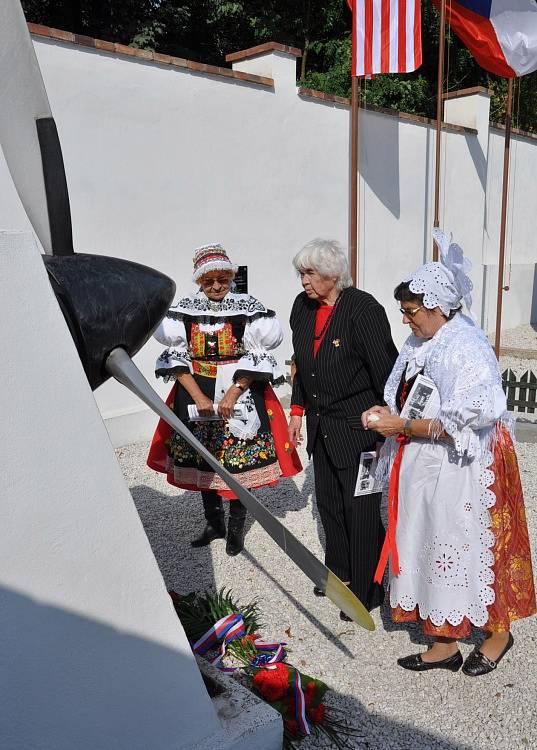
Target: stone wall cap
(263, 49)
(468, 92)
(320, 96)
(147, 55)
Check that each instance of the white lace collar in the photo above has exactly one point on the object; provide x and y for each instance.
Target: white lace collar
(420, 351)
(232, 304)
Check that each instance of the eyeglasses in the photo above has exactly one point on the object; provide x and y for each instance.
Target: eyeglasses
(221, 280)
(410, 313)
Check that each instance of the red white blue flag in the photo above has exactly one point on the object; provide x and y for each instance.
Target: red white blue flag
(386, 36)
(500, 34)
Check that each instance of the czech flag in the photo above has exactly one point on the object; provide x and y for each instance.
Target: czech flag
(500, 34)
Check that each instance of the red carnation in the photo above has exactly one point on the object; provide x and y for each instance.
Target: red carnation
(272, 684)
(317, 714)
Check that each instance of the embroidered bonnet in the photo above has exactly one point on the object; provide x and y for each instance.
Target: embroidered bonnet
(444, 284)
(211, 258)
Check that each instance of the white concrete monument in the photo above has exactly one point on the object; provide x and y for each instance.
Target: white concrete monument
(92, 654)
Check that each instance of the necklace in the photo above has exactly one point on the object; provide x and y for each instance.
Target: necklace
(328, 319)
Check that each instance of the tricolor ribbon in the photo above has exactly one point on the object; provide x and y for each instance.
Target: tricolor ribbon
(263, 659)
(300, 705)
(389, 548)
(231, 627)
(227, 628)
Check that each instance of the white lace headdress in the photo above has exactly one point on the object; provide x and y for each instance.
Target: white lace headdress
(444, 284)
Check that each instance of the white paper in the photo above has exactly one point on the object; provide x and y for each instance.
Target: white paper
(365, 483)
(239, 412)
(423, 401)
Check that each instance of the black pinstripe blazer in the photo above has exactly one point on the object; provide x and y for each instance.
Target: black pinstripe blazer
(346, 376)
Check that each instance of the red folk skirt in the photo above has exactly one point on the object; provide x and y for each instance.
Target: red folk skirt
(513, 585)
(286, 454)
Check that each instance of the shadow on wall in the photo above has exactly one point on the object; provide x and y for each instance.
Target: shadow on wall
(71, 682)
(533, 313)
(379, 164)
(478, 158)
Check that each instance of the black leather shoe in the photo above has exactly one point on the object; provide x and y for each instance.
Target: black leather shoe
(344, 617)
(416, 663)
(235, 536)
(214, 529)
(318, 592)
(477, 663)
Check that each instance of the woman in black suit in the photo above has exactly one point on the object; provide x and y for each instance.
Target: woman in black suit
(343, 351)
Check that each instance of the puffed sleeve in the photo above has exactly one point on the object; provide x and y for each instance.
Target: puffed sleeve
(175, 358)
(261, 335)
(472, 398)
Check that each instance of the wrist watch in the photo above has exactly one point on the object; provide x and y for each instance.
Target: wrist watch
(407, 428)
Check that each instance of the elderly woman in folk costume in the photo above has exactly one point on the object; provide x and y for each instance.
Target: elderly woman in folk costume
(218, 353)
(457, 533)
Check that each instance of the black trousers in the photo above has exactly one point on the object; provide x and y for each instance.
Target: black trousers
(352, 526)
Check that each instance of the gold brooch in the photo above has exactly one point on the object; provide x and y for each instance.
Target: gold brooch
(336, 342)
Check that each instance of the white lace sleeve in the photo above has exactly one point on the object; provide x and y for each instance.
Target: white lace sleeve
(175, 358)
(261, 335)
(471, 393)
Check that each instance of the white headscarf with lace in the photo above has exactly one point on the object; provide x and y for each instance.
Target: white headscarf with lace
(444, 284)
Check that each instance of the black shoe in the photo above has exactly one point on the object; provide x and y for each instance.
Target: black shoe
(318, 592)
(477, 663)
(416, 663)
(215, 528)
(344, 617)
(235, 536)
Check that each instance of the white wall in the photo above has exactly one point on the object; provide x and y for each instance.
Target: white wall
(92, 654)
(160, 160)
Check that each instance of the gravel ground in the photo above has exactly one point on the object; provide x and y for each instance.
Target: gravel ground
(521, 337)
(391, 708)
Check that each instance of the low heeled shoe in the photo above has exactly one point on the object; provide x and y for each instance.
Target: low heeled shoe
(318, 592)
(416, 663)
(477, 663)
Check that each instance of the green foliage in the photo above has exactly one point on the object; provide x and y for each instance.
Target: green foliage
(199, 612)
(206, 30)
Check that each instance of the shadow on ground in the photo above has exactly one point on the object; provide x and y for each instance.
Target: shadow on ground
(375, 731)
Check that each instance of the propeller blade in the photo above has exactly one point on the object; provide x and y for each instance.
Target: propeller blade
(23, 101)
(123, 369)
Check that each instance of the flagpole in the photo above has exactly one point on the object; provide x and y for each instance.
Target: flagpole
(353, 229)
(503, 222)
(439, 113)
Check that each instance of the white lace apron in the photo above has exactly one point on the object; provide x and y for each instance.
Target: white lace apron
(443, 531)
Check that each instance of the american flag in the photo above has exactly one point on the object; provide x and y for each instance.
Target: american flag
(386, 36)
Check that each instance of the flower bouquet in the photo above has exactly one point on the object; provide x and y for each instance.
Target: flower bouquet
(218, 623)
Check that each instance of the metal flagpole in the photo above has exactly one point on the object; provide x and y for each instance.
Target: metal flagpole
(353, 229)
(503, 223)
(439, 103)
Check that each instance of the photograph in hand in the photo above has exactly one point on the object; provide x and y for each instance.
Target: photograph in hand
(423, 401)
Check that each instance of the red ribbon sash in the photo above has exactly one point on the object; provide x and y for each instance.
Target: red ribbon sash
(389, 548)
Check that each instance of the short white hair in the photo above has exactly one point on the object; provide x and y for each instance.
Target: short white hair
(327, 258)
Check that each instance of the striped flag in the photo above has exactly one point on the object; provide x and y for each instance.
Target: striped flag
(386, 36)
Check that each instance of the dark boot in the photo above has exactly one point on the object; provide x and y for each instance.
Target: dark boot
(235, 528)
(215, 528)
